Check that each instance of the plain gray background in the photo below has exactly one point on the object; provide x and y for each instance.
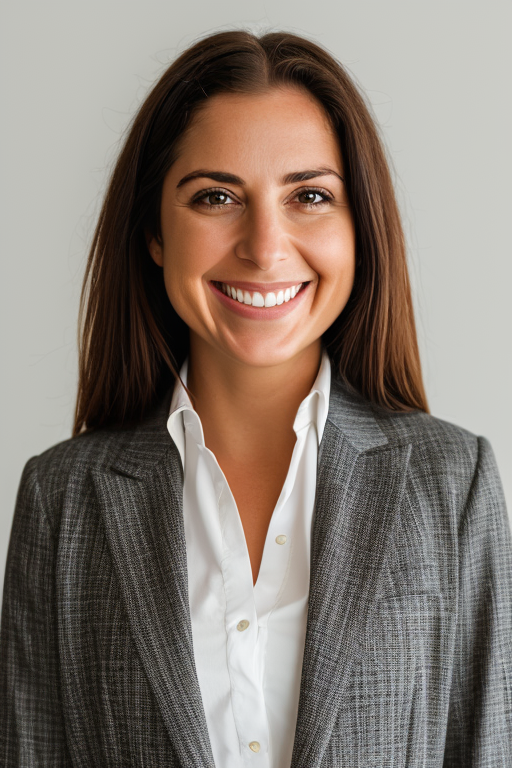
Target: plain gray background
(437, 76)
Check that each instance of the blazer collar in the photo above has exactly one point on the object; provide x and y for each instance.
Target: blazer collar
(360, 483)
(139, 449)
(354, 417)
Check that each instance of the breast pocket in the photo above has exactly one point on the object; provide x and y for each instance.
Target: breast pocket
(398, 691)
(411, 624)
(421, 579)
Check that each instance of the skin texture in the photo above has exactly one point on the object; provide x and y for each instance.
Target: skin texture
(249, 376)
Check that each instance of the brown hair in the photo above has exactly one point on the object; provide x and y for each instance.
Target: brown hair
(133, 342)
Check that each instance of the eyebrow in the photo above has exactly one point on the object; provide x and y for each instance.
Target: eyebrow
(230, 178)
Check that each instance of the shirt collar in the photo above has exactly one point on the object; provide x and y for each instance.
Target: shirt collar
(180, 402)
(313, 409)
(315, 406)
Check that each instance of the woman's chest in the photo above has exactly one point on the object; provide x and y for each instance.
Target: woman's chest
(116, 673)
(124, 617)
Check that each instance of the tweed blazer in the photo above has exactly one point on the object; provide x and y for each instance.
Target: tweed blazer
(408, 650)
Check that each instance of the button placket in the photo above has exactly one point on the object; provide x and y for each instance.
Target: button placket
(249, 708)
(276, 555)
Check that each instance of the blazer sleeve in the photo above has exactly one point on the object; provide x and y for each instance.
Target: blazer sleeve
(479, 733)
(31, 724)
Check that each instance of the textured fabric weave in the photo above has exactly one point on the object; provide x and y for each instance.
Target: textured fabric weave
(408, 650)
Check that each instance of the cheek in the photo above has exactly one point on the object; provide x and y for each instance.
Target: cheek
(193, 248)
(184, 267)
(333, 259)
(186, 259)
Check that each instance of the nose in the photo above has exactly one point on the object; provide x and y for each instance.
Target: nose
(263, 237)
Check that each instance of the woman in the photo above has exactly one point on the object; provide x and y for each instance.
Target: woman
(258, 547)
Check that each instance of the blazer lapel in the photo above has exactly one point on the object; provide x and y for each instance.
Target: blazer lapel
(141, 500)
(360, 483)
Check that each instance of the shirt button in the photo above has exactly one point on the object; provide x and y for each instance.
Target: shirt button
(281, 539)
(241, 626)
(255, 746)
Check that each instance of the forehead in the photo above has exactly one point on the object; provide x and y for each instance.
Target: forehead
(273, 129)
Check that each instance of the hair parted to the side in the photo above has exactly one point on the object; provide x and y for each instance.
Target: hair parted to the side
(133, 342)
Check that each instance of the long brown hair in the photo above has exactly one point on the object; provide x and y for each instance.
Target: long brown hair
(133, 342)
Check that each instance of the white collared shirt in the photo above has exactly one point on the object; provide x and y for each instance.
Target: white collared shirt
(249, 639)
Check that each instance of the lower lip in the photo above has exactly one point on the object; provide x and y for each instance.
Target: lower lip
(260, 313)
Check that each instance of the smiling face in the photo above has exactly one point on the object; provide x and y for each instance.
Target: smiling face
(254, 211)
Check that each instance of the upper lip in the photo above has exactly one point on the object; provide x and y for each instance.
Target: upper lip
(261, 287)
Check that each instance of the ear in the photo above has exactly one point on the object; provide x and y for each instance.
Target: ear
(155, 249)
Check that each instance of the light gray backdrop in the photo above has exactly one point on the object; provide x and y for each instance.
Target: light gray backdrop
(438, 77)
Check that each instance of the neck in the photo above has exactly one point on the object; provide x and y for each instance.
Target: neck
(241, 405)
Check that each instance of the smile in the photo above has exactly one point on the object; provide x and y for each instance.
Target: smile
(257, 299)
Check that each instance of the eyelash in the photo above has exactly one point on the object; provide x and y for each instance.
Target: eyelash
(326, 197)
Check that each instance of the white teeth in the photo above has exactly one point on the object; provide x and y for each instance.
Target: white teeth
(257, 299)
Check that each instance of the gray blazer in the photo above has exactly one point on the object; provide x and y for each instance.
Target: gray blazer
(408, 653)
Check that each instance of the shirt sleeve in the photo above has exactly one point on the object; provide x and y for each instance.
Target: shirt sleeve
(479, 733)
(32, 733)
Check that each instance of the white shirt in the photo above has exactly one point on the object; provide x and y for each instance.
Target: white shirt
(249, 640)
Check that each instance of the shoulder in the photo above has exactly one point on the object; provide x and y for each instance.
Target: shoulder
(64, 472)
(451, 473)
(444, 457)
(429, 434)
(347, 405)
(438, 448)
(47, 477)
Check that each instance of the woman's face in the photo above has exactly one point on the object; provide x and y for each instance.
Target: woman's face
(255, 206)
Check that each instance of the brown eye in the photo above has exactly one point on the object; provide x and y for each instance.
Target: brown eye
(213, 198)
(217, 198)
(307, 197)
(312, 198)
